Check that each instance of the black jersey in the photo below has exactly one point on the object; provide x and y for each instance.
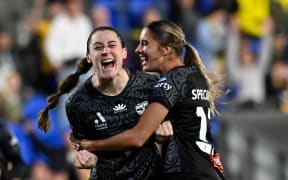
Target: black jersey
(184, 91)
(93, 115)
(10, 153)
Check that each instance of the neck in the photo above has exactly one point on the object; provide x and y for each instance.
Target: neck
(172, 64)
(111, 87)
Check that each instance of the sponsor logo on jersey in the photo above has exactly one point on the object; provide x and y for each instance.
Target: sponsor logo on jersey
(140, 108)
(163, 85)
(100, 122)
(119, 108)
(200, 94)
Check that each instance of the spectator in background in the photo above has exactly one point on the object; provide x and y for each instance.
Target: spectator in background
(43, 12)
(251, 15)
(10, 153)
(49, 152)
(65, 43)
(277, 81)
(36, 70)
(10, 80)
(100, 16)
(149, 14)
(247, 68)
(7, 57)
(210, 35)
(186, 15)
(11, 13)
(279, 12)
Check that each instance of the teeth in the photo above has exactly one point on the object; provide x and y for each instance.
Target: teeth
(143, 58)
(108, 61)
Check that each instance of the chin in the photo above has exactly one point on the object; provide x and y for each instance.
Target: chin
(146, 69)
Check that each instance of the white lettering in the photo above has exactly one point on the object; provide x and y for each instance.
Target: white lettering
(166, 86)
(200, 94)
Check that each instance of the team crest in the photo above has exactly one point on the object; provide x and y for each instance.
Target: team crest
(140, 108)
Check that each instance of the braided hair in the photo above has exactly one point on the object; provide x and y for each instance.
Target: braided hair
(65, 86)
(70, 82)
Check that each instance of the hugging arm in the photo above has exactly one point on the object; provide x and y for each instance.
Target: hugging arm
(135, 137)
(84, 159)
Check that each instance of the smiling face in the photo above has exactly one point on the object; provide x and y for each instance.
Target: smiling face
(106, 54)
(150, 52)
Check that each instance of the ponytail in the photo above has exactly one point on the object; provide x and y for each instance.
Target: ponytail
(64, 87)
(192, 58)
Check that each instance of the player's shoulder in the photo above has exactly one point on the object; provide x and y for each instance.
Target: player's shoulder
(182, 72)
(80, 90)
(142, 75)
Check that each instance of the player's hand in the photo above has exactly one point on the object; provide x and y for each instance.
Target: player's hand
(83, 159)
(75, 143)
(81, 144)
(164, 132)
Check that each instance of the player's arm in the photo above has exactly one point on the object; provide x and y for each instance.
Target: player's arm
(84, 159)
(135, 137)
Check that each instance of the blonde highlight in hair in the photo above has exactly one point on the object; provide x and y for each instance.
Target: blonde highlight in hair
(192, 57)
(170, 34)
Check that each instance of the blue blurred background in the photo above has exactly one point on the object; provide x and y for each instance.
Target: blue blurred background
(242, 40)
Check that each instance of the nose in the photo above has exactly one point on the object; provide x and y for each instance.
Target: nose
(105, 50)
(138, 49)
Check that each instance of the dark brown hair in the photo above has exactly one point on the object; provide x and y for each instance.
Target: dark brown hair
(70, 82)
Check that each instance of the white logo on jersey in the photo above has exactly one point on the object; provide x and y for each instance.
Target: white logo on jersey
(140, 108)
(119, 108)
(100, 122)
(165, 85)
(200, 94)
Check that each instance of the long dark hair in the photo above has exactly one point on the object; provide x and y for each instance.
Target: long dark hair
(70, 81)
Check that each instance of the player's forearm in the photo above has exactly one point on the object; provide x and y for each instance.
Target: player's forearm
(125, 140)
(135, 137)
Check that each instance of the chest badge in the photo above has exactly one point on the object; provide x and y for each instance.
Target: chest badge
(100, 122)
(119, 108)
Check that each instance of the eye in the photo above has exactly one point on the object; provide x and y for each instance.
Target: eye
(112, 45)
(144, 42)
(98, 48)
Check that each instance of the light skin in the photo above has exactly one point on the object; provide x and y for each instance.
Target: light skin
(106, 55)
(84, 159)
(154, 58)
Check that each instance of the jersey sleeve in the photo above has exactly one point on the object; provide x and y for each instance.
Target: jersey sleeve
(169, 90)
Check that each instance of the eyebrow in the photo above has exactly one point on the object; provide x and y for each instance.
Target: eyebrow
(109, 42)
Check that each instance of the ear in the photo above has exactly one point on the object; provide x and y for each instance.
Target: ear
(88, 58)
(166, 50)
(124, 53)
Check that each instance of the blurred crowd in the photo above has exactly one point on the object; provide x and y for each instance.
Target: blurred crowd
(41, 41)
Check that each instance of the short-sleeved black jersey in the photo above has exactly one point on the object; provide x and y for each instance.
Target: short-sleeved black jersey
(184, 91)
(93, 115)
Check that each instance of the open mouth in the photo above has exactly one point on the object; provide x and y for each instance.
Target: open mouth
(109, 63)
(144, 59)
